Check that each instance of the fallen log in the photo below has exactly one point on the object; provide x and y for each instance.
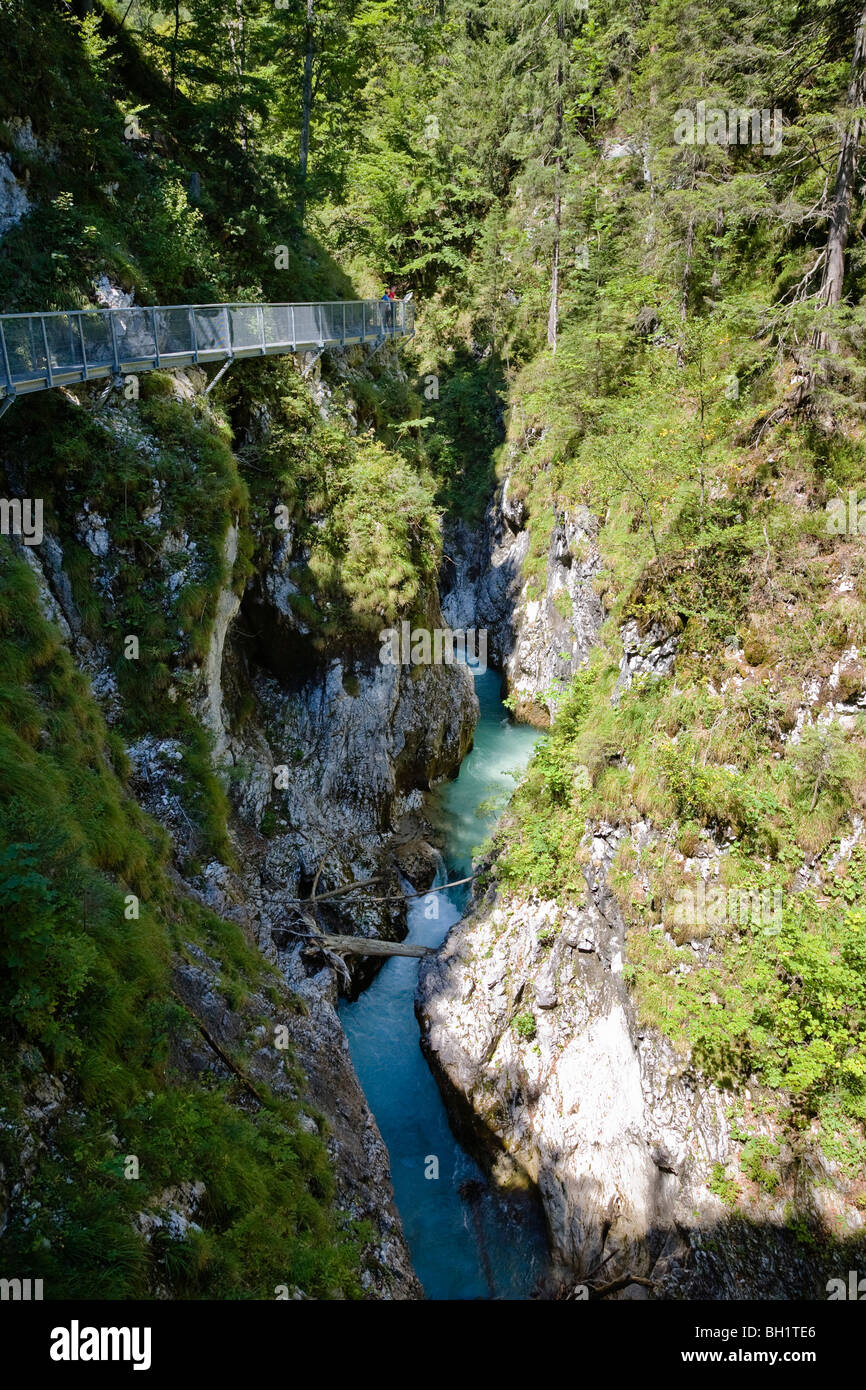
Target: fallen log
(367, 946)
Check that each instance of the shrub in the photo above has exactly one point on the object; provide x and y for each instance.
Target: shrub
(524, 1026)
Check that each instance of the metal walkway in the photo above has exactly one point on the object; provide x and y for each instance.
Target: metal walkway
(38, 351)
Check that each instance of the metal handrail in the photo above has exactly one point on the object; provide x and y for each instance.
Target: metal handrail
(217, 304)
(136, 338)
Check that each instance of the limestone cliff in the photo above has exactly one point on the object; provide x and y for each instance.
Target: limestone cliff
(325, 754)
(526, 1017)
(529, 1023)
(538, 633)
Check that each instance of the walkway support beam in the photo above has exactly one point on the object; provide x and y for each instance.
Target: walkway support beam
(222, 371)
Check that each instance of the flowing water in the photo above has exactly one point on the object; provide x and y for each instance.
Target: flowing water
(467, 1240)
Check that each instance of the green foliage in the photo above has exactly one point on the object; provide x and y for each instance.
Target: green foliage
(772, 1007)
(544, 852)
(363, 514)
(455, 152)
(825, 762)
(381, 558)
(190, 479)
(756, 1161)
(467, 430)
(688, 783)
(86, 992)
(723, 1185)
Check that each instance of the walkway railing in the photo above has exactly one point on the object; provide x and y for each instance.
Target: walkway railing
(38, 351)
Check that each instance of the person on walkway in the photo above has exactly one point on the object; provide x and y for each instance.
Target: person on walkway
(388, 313)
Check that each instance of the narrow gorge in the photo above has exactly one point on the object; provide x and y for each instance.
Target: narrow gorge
(432, 661)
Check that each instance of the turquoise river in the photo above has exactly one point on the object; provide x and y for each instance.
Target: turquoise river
(468, 1240)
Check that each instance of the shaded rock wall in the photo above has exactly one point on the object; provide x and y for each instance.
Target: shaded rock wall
(537, 634)
(525, 1014)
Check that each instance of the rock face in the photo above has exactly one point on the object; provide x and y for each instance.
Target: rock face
(326, 758)
(325, 779)
(14, 200)
(525, 1014)
(537, 1034)
(331, 1090)
(649, 655)
(254, 898)
(325, 776)
(358, 741)
(537, 634)
(337, 753)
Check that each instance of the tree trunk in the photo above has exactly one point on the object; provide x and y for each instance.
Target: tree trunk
(553, 316)
(306, 108)
(846, 173)
(236, 30)
(174, 51)
(687, 280)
